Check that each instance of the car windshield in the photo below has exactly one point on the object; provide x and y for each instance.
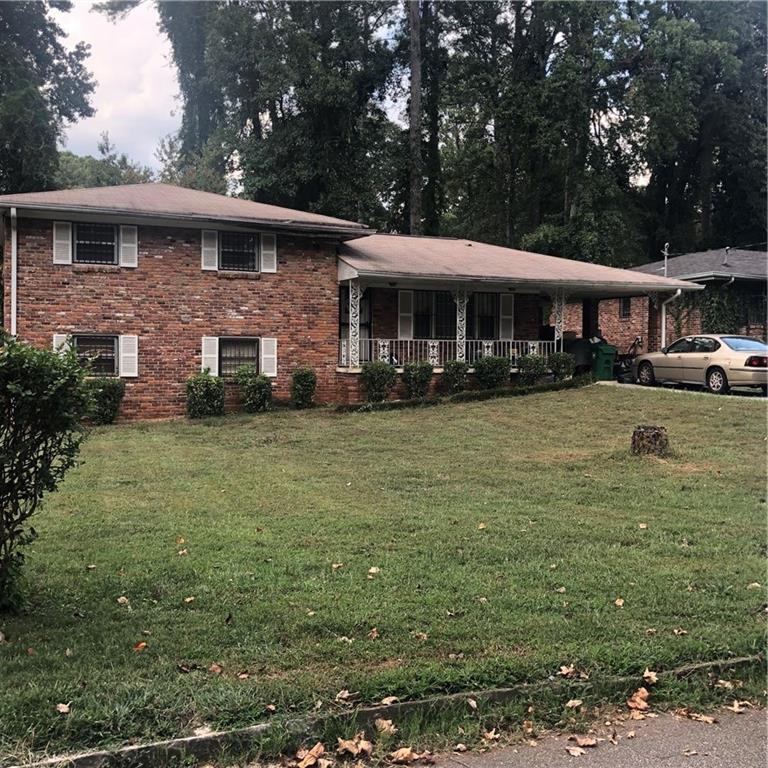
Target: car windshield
(745, 344)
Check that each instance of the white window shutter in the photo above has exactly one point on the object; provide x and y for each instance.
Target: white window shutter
(129, 246)
(60, 342)
(405, 315)
(62, 242)
(128, 366)
(269, 357)
(268, 253)
(210, 349)
(507, 316)
(209, 249)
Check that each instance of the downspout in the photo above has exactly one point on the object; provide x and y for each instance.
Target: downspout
(14, 270)
(664, 303)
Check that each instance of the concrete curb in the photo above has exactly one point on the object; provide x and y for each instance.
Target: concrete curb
(210, 745)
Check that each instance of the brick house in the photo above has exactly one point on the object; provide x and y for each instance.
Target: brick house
(739, 277)
(155, 282)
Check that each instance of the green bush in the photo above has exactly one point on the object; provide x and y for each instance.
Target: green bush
(255, 387)
(531, 369)
(562, 365)
(492, 372)
(454, 378)
(303, 386)
(105, 393)
(416, 377)
(42, 402)
(378, 379)
(205, 395)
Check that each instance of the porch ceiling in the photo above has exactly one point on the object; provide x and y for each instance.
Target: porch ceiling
(407, 261)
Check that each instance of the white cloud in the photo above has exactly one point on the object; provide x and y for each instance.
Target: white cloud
(136, 92)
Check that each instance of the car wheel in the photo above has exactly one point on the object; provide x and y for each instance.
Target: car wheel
(645, 374)
(717, 381)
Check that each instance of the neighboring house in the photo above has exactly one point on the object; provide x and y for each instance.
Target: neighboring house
(155, 282)
(733, 301)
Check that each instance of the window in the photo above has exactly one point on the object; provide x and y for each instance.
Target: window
(239, 251)
(744, 344)
(365, 313)
(422, 314)
(703, 344)
(445, 316)
(235, 352)
(625, 308)
(95, 244)
(434, 315)
(681, 345)
(483, 311)
(98, 352)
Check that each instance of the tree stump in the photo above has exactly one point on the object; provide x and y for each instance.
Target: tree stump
(650, 440)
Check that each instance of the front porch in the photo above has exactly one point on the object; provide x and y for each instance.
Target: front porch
(434, 324)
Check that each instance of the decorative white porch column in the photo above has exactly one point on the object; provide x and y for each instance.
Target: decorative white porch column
(558, 300)
(354, 323)
(461, 299)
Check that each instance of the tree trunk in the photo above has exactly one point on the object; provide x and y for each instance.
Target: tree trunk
(414, 19)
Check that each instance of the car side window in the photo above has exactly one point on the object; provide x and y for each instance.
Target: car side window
(681, 345)
(705, 345)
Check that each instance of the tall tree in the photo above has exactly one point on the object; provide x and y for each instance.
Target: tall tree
(414, 117)
(43, 86)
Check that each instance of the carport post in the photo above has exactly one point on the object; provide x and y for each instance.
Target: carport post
(559, 307)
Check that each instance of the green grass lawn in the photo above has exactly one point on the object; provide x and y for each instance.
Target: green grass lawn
(504, 531)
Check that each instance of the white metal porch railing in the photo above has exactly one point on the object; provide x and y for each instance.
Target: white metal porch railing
(438, 351)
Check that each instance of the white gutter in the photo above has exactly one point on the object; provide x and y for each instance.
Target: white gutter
(14, 269)
(664, 303)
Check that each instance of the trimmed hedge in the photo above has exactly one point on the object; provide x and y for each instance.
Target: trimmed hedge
(492, 372)
(205, 395)
(303, 386)
(454, 378)
(378, 379)
(105, 393)
(256, 388)
(416, 378)
(531, 368)
(562, 365)
(470, 396)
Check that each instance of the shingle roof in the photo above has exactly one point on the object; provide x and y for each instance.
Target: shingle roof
(167, 200)
(401, 256)
(703, 264)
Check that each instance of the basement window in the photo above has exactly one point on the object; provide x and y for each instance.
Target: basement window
(625, 308)
(234, 352)
(98, 353)
(95, 244)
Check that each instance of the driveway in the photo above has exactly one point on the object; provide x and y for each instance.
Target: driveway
(734, 741)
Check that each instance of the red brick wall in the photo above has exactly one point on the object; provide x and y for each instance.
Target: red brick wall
(621, 332)
(170, 303)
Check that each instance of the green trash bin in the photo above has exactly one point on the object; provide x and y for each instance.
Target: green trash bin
(603, 358)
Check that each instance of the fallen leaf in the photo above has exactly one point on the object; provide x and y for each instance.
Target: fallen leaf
(532, 742)
(630, 734)
(243, 675)
(573, 703)
(336, 566)
(216, 668)
(344, 695)
(140, 646)
(491, 735)
(122, 600)
(639, 699)
(583, 741)
(385, 726)
(62, 709)
(183, 552)
(737, 706)
(754, 585)
(389, 700)
(270, 708)
(619, 602)
(567, 670)
(481, 527)
(180, 540)
(679, 632)
(727, 684)
(697, 716)
(309, 758)
(189, 600)
(635, 715)
(561, 590)
(345, 639)
(642, 526)
(90, 567)
(373, 571)
(650, 631)
(690, 752)
(347, 747)
(310, 612)
(422, 636)
(69, 653)
(31, 652)
(528, 726)
(650, 677)
(575, 751)
(472, 704)
(373, 634)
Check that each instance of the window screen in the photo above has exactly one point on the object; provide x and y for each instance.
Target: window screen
(236, 352)
(98, 353)
(238, 251)
(95, 244)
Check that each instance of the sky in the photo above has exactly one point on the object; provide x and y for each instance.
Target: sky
(136, 93)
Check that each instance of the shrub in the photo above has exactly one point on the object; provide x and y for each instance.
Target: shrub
(531, 368)
(378, 379)
(42, 401)
(303, 386)
(205, 395)
(492, 372)
(255, 387)
(454, 377)
(416, 377)
(562, 365)
(105, 393)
